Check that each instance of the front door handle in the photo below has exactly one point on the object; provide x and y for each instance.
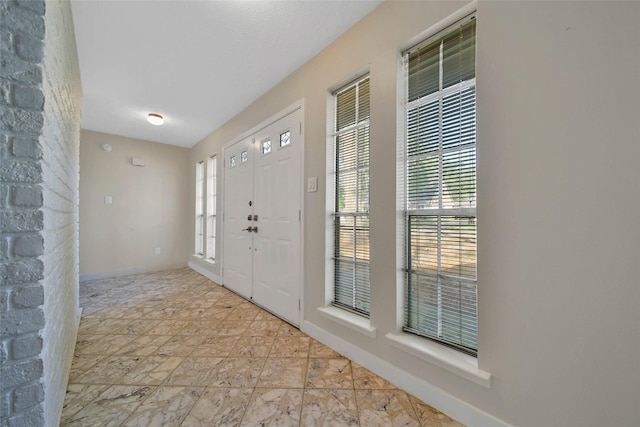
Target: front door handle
(251, 229)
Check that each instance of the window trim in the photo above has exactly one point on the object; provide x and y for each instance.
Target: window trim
(211, 208)
(199, 231)
(351, 320)
(353, 313)
(454, 361)
(434, 33)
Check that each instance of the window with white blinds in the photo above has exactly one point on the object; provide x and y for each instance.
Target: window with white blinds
(211, 208)
(199, 235)
(351, 204)
(440, 292)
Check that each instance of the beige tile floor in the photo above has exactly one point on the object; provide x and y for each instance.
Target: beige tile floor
(175, 349)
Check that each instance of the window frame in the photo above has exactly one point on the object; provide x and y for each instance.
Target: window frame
(439, 212)
(199, 210)
(211, 211)
(360, 304)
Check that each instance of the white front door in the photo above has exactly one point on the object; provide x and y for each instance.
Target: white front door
(268, 203)
(276, 262)
(238, 195)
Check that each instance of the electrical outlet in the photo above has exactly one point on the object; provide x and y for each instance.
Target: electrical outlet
(158, 251)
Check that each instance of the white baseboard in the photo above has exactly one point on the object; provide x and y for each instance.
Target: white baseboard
(109, 274)
(206, 273)
(445, 402)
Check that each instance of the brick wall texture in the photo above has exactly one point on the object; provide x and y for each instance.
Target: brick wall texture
(60, 168)
(40, 96)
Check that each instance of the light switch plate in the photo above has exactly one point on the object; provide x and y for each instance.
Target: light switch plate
(108, 200)
(312, 184)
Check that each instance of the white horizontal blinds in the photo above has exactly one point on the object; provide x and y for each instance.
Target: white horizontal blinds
(351, 239)
(211, 207)
(199, 235)
(440, 298)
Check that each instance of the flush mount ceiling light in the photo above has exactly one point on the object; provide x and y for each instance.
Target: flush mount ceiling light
(155, 119)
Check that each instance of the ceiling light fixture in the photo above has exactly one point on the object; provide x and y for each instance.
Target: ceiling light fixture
(155, 119)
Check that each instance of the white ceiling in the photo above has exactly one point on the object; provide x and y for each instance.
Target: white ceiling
(198, 63)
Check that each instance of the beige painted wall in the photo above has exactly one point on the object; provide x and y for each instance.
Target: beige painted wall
(558, 203)
(150, 206)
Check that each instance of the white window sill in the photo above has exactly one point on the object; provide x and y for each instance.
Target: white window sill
(357, 323)
(447, 358)
(202, 258)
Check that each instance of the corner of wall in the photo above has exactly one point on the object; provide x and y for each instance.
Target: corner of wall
(60, 139)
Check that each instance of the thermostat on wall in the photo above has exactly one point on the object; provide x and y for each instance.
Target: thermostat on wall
(136, 161)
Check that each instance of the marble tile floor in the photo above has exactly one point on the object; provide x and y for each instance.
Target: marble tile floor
(175, 349)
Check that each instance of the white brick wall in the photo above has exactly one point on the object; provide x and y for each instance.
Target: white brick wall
(21, 291)
(60, 145)
(40, 97)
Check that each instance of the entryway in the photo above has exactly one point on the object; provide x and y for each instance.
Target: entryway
(262, 216)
